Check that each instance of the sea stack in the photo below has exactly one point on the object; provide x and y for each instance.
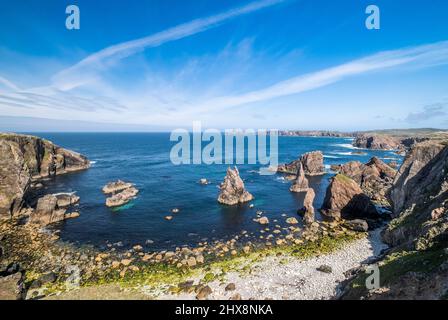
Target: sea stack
(232, 190)
(301, 182)
(308, 210)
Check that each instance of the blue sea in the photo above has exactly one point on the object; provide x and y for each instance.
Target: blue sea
(143, 159)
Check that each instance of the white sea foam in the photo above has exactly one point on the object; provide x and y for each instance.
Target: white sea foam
(331, 157)
(346, 145)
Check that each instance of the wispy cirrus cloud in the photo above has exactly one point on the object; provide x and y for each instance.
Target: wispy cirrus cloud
(419, 56)
(87, 69)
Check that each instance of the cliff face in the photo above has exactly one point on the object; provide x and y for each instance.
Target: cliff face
(420, 197)
(416, 266)
(24, 159)
(407, 184)
(380, 142)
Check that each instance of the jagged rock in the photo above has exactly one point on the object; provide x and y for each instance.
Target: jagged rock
(12, 287)
(312, 162)
(375, 177)
(345, 198)
(116, 186)
(358, 225)
(48, 211)
(301, 182)
(377, 142)
(25, 159)
(420, 198)
(308, 210)
(418, 236)
(232, 190)
(404, 192)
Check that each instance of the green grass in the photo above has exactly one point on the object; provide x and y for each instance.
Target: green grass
(398, 264)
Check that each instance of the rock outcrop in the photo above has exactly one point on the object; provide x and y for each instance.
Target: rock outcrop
(308, 210)
(12, 287)
(312, 162)
(404, 191)
(232, 190)
(416, 265)
(120, 193)
(52, 208)
(301, 182)
(344, 198)
(116, 186)
(375, 177)
(25, 159)
(377, 142)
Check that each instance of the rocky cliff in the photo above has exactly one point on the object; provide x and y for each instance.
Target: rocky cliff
(376, 141)
(416, 266)
(25, 159)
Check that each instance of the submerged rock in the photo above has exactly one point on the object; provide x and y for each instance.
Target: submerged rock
(345, 198)
(232, 190)
(301, 182)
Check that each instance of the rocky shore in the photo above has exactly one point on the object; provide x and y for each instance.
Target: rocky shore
(280, 260)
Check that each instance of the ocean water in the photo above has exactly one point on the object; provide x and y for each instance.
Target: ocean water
(143, 158)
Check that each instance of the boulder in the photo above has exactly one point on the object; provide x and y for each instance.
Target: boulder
(24, 160)
(12, 287)
(301, 182)
(358, 225)
(345, 198)
(232, 190)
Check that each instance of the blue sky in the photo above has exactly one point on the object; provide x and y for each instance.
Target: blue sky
(286, 64)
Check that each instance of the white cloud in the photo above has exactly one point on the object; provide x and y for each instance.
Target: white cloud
(420, 56)
(86, 71)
